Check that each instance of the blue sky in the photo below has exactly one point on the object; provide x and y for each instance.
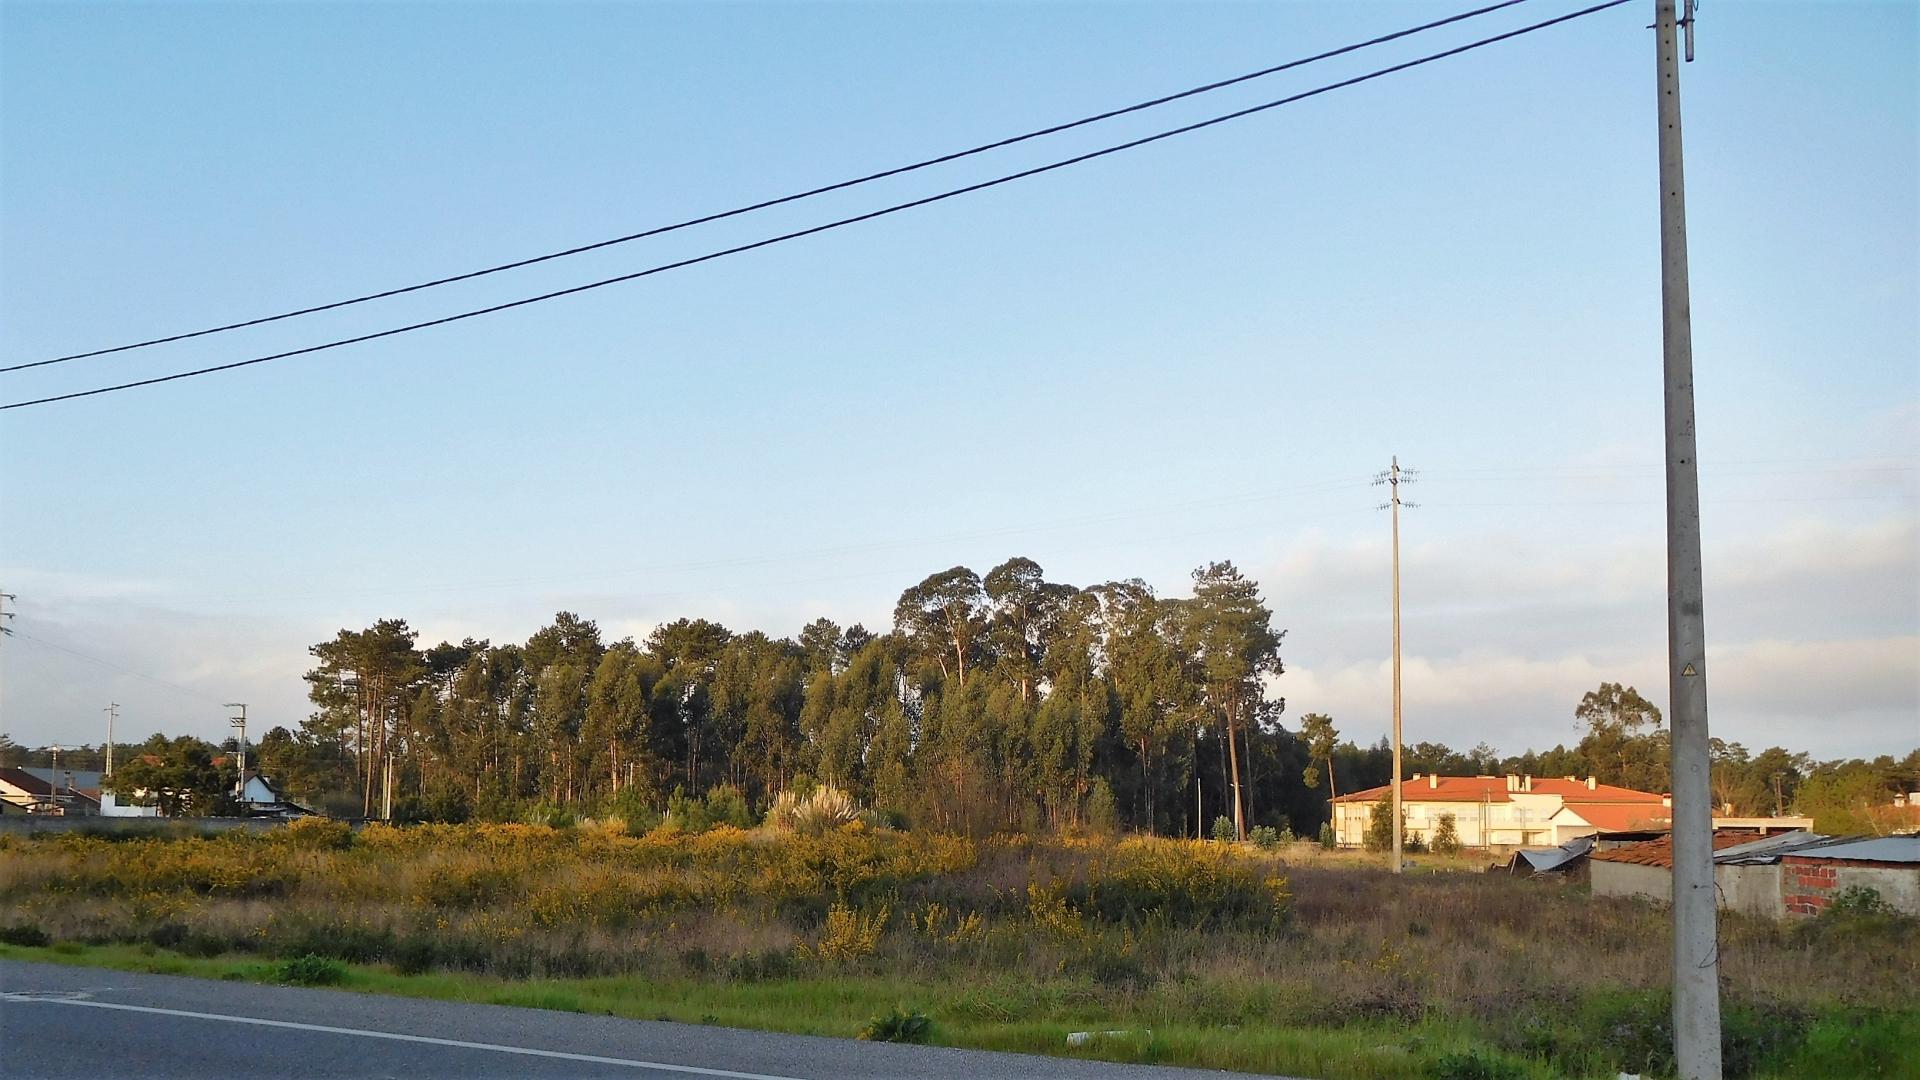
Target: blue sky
(1196, 350)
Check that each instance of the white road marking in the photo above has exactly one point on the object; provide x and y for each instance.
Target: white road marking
(525, 1051)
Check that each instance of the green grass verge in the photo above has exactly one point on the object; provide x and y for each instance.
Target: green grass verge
(1026, 1018)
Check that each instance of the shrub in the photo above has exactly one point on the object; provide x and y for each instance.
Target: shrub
(1103, 814)
(1286, 838)
(311, 970)
(24, 934)
(1634, 1033)
(318, 834)
(899, 1025)
(758, 966)
(1858, 901)
(1380, 827)
(850, 936)
(1446, 839)
(202, 944)
(1471, 1066)
(1107, 966)
(544, 813)
(1051, 914)
(414, 956)
(1223, 831)
(826, 808)
(635, 806)
(1179, 883)
(1265, 837)
(727, 806)
(1327, 839)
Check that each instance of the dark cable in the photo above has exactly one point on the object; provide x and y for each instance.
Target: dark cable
(842, 185)
(869, 216)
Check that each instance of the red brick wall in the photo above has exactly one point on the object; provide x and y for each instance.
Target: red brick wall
(1806, 885)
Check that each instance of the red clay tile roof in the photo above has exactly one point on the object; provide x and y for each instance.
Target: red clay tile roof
(1494, 789)
(1450, 789)
(1660, 852)
(1621, 817)
(1575, 791)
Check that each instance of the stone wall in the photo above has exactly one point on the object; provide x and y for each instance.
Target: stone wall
(48, 824)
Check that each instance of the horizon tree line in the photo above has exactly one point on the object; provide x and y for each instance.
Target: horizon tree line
(1003, 701)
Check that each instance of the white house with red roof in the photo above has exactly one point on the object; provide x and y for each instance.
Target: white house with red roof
(1505, 811)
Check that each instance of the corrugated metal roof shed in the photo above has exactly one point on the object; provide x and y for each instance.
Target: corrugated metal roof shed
(1895, 849)
(1768, 849)
(1549, 860)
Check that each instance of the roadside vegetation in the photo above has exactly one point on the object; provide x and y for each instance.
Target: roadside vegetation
(1281, 958)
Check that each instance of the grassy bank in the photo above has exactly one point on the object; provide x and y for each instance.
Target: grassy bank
(1280, 961)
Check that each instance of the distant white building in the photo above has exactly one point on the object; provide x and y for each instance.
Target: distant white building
(1510, 811)
(260, 797)
(111, 806)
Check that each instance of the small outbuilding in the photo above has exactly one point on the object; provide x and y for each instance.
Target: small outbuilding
(1787, 874)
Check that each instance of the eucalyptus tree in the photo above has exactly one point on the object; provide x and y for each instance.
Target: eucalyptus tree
(758, 687)
(1022, 608)
(1154, 698)
(944, 618)
(1231, 634)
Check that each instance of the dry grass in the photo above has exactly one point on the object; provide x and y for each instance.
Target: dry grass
(1177, 930)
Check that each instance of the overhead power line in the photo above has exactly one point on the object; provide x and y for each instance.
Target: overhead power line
(1077, 159)
(111, 666)
(796, 197)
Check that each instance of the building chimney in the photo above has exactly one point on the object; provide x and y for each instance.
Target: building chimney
(1433, 781)
(1513, 782)
(1416, 779)
(1592, 784)
(1526, 782)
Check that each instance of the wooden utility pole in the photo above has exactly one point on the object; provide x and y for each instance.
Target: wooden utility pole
(1696, 962)
(1393, 477)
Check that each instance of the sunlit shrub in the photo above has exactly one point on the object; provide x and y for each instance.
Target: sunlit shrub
(316, 833)
(1052, 915)
(850, 936)
(827, 807)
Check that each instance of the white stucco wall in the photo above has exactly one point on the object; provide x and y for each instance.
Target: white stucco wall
(110, 806)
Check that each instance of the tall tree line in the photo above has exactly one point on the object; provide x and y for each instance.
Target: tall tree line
(1003, 700)
(994, 701)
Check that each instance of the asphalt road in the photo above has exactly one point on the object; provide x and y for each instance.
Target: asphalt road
(60, 1021)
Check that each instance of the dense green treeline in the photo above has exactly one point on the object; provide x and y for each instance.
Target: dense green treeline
(993, 702)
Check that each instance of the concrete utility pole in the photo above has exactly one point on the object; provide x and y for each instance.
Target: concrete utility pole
(239, 722)
(113, 713)
(5, 630)
(1696, 961)
(1393, 477)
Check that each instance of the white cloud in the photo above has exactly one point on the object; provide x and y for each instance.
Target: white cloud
(1815, 632)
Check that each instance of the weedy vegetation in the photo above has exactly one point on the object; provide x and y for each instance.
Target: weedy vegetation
(1267, 956)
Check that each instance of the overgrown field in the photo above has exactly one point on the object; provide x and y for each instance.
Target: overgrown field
(1231, 956)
